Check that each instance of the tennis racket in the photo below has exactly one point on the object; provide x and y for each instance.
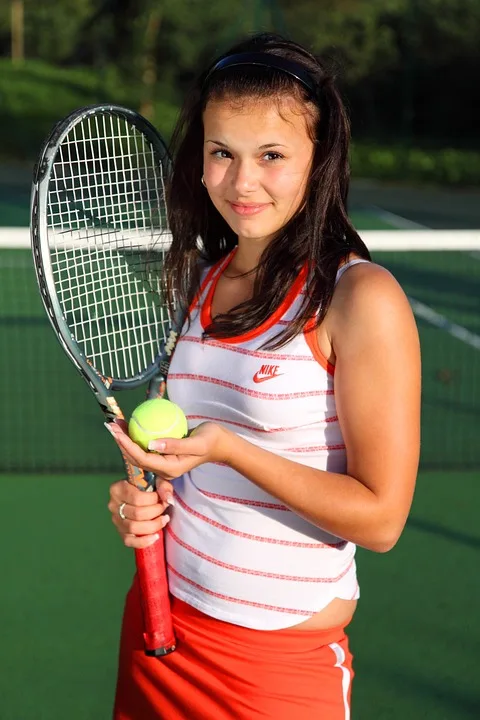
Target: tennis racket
(99, 237)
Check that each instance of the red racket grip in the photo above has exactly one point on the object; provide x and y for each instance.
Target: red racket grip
(158, 635)
(158, 632)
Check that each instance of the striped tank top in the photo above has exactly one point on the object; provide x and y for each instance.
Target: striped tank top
(233, 551)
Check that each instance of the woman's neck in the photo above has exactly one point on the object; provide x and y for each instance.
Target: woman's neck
(246, 258)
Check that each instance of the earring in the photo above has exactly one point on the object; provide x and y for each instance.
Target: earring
(203, 181)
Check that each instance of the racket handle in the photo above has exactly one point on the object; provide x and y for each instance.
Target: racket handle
(158, 632)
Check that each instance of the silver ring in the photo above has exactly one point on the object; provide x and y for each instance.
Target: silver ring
(120, 511)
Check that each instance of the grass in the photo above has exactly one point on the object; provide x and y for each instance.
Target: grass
(446, 166)
(35, 95)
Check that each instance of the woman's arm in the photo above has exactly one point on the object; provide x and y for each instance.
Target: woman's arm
(377, 390)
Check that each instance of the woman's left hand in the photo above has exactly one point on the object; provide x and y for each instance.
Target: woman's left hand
(169, 458)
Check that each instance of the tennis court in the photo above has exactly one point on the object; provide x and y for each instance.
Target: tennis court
(415, 635)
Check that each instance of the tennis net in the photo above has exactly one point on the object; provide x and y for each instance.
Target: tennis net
(45, 429)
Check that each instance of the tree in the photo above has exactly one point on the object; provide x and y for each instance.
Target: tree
(18, 45)
(51, 27)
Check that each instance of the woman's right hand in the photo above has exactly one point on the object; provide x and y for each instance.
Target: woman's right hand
(143, 513)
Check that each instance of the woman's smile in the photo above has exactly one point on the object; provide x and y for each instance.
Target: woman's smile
(248, 208)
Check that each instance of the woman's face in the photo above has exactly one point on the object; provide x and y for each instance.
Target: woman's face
(257, 157)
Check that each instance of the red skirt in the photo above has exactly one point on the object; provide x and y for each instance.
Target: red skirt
(221, 671)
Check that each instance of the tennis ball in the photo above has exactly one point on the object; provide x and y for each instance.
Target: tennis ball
(154, 419)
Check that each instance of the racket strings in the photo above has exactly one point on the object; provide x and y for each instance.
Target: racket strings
(107, 237)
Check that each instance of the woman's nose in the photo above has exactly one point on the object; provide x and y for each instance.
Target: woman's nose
(245, 177)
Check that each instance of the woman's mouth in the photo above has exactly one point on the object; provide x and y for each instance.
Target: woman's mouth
(248, 208)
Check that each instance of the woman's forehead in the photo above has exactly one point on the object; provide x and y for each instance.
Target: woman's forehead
(283, 114)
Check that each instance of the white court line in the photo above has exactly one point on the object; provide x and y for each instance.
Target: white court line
(397, 221)
(424, 311)
(440, 321)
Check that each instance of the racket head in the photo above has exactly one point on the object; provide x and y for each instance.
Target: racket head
(99, 236)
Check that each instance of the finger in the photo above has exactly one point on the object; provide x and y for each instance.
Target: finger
(165, 492)
(150, 462)
(124, 491)
(126, 525)
(193, 445)
(132, 453)
(117, 488)
(131, 450)
(122, 424)
(147, 527)
(117, 426)
(139, 513)
(158, 464)
(140, 543)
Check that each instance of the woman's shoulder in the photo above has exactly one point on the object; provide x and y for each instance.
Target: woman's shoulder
(358, 275)
(367, 293)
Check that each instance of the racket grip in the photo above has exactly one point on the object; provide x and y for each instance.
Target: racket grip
(158, 632)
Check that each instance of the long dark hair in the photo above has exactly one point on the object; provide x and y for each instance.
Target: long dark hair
(320, 235)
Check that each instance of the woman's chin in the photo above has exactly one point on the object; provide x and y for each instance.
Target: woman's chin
(252, 231)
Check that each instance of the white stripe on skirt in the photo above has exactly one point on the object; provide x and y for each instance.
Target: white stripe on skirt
(346, 678)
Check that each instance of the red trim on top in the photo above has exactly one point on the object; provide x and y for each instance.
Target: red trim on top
(205, 282)
(206, 311)
(311, 338)
(220, 266)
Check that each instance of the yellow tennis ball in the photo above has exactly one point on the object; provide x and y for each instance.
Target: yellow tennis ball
(154, 419)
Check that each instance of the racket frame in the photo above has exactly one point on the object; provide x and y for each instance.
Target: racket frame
(103, 387)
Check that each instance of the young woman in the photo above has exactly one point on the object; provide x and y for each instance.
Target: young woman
(299, 373)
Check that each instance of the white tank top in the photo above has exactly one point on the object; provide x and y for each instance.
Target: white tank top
(234, 551)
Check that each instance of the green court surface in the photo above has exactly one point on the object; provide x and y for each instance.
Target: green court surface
(368, 220)
(415, 636)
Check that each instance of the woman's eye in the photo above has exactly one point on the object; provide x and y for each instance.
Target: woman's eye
(221, 154)
(271, 156)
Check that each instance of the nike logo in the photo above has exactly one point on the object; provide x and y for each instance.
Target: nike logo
(266, 372)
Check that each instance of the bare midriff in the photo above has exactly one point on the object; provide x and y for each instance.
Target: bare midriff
(338, 613)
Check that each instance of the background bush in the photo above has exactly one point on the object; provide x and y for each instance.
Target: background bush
(408, 70)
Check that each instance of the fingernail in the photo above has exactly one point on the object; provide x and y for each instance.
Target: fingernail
(107, 425)
(170, 500)
(166, 519)
(154, 539)
(156, 446)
